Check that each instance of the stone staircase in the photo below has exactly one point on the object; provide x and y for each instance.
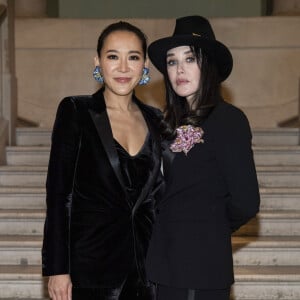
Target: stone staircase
(266, 251)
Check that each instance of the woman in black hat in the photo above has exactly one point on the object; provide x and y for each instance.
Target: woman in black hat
(211, 182)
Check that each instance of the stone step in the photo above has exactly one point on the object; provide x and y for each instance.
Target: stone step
(275, 136)
(266, 251)
(33, 136)
(22, 282)
(277, 251)
(14, 197)
(27, 155)
(34, 197)
(268, 176)
(21, 222)
(276, 155)
(272, 223)
(267, 223)
(23, 175)
(278, 176)
(264, 155)
(257, 282)
(265, 283)
(238, 298)
(20, 250)
(280, 198)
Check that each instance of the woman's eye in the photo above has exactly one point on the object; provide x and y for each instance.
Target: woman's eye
(171, 62)
(112, 56)
(134, 57)
(190, 59)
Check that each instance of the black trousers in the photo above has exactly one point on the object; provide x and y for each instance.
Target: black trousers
(131, 289)
(170, 293)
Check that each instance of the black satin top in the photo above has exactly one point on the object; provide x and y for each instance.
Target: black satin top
(135, 168)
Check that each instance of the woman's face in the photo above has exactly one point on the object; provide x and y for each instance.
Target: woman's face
(121, 61)
(183, 71)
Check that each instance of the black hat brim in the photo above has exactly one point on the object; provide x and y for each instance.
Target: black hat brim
(219, 52)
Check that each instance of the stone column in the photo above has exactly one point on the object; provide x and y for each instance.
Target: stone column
(286, 7)
(9, 82)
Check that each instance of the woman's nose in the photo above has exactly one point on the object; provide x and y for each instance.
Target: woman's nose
(123, 65)
(180, 68)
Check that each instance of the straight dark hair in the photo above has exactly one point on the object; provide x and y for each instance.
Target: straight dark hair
(122, 26)
(178, 111)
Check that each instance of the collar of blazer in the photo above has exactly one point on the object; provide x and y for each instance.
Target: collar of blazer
(101, 121)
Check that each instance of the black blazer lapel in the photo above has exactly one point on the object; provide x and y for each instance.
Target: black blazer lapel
(102, 124)
(149, 185)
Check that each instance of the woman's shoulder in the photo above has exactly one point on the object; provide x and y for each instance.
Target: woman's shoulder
(76, 102)
(227, 122)
(77, 99)
(228, 113)
(224, 106)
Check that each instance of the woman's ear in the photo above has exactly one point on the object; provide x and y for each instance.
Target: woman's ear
(146, 65)
(96, 61)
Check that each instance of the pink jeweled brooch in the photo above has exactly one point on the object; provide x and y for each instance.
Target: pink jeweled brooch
(187, 137)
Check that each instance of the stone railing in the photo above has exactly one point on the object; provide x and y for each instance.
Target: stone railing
(8, 91)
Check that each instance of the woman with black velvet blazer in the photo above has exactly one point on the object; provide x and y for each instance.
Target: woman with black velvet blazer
(104, 171)
(211, 183)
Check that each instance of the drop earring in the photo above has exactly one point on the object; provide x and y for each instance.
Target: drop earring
(97, 74)
(145, 77)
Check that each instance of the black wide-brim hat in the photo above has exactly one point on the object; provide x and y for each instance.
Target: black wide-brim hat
(192, 31)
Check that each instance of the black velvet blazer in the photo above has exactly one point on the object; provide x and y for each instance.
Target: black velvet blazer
(210, 193)
(91, 230)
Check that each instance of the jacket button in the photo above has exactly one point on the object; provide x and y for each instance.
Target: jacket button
(157, 211)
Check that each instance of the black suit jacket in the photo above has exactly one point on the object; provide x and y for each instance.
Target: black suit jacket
(209, 194)
(92, 230)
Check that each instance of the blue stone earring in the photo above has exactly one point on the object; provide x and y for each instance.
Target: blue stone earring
(97, 74)
(145, 77)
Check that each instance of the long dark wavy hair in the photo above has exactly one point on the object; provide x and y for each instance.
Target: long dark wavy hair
(177, 110)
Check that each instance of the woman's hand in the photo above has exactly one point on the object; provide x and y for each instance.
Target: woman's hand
(60, 287)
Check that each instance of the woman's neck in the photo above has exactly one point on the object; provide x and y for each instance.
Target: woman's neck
(118, 102)
(191, 102)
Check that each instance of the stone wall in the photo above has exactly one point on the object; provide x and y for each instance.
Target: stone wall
(286, 7)
(31, 8)
(138, 9)
(54, 58)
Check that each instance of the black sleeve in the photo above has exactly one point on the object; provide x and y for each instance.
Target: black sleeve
(235, 156)
(64, 147)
